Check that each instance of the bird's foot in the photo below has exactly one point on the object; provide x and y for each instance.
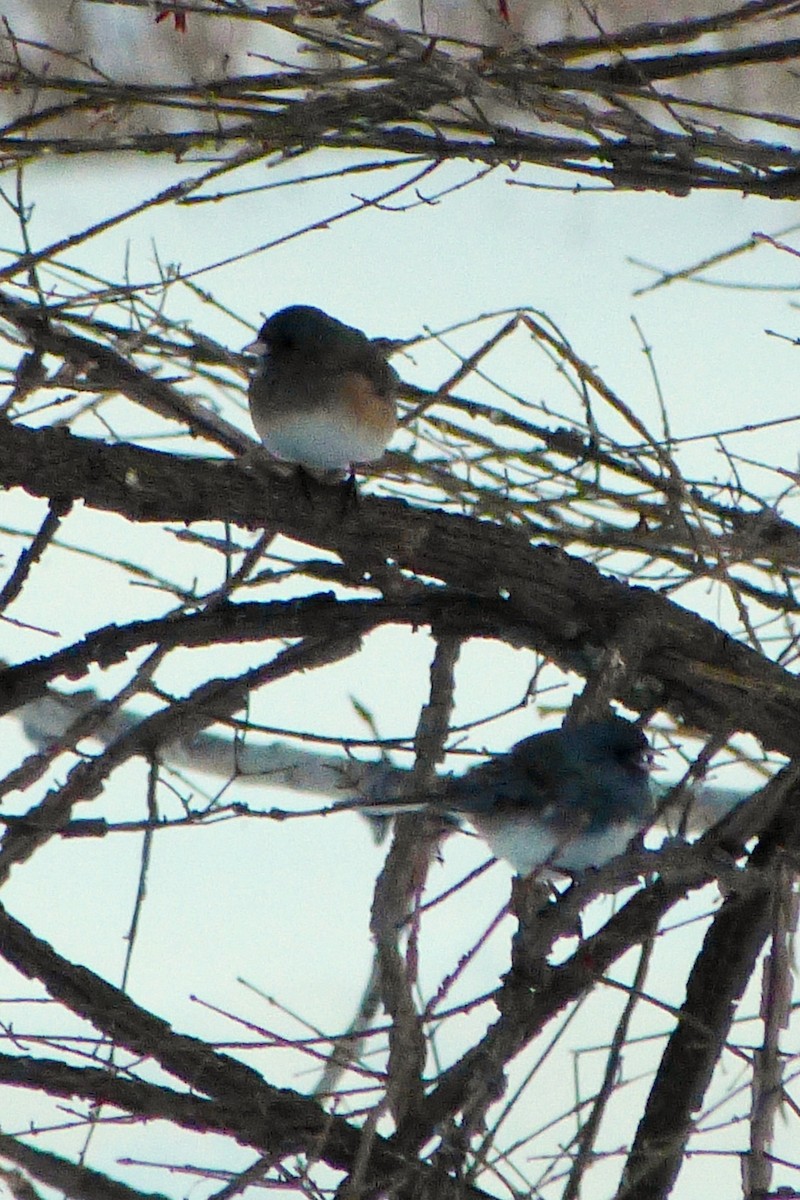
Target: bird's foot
(349, 494)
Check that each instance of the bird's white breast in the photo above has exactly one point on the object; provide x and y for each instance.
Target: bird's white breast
(527, 844)
(326, 441)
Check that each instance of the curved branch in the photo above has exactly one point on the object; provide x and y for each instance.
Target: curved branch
(568, 608)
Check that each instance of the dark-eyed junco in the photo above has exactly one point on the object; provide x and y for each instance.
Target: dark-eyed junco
(322, 395)
(568, 798)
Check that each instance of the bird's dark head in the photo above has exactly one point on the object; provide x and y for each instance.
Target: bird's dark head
(299, 327)
(613, 739)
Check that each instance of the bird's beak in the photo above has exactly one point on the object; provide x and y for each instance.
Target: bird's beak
(652, 760)
(257, 347)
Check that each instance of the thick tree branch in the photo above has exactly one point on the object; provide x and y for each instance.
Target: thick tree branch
(689, 666)
(69, 1178)
(241, 1104)
(717, 981)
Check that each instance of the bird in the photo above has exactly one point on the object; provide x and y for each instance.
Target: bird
(323, 395)
(567, 798)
